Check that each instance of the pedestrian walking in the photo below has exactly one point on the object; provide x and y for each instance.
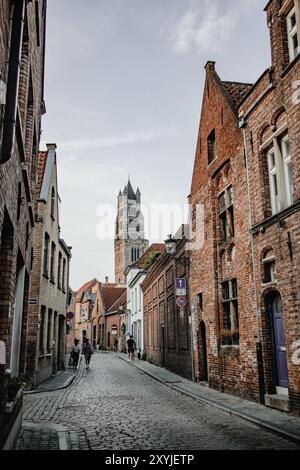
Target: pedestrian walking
(116, 345)
(131, 348)
(75, 353)
(87, 351)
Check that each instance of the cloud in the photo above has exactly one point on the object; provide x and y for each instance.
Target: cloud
(206, 29)
(128, 138)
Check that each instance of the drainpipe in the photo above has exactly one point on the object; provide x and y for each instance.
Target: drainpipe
(243, 124)
(10, 117)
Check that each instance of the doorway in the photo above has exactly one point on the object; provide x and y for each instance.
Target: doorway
(274, 307)
(203, 353)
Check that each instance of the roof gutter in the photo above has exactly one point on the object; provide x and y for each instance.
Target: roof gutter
(10, 117)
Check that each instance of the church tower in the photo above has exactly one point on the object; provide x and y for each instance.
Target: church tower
(130, 243)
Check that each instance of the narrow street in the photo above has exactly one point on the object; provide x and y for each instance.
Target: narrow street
(114, 406)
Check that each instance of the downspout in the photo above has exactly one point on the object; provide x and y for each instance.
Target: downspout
(10, 117)
(243, 124)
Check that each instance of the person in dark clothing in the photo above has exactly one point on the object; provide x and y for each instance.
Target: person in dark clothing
(131, 348)
(87, 351)
(75, 352)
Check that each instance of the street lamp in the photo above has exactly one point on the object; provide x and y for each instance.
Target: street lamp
(171, 245)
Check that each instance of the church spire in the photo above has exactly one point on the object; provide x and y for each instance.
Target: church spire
(130, 242)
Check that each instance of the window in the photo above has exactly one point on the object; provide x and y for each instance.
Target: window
(135, 295)
(200, 303)
(42, 331)
(19, 201)
(52, 262)
(269, 267)
(140, 299)
(280, 175)
(53, 203)
(287, 166)
(49, 326)
(226, 214)
(59, 270)
(132, 211)
(46, 255)
(230, 331)
(211, 147)
(37, 23)
(64, 276)
(292, 32)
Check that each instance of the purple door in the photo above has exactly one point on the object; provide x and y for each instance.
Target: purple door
(279, 341)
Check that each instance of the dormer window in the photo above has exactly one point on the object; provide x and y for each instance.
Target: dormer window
(293, 34)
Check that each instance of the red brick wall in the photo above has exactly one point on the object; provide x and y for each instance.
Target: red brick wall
(12, 174)
(281, 233)
(160, 310)
(230, 368)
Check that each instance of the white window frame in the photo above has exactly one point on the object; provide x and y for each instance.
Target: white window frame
(281, 173)
(287, 165)
(293, 31)
(273, 176)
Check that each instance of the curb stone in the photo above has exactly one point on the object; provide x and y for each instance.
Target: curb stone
(66, 384)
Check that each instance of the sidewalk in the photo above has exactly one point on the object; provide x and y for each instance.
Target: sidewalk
(276, 421)
(60, 381)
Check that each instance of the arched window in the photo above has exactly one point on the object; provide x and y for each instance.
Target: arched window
(211, 146)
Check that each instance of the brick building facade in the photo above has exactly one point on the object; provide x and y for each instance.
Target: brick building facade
(106, 314)
(135, 275)
(49, 287)
(270, 122)
(244, 276)
(22, 34)
(167, 335)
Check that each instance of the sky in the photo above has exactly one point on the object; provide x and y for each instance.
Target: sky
(123, 89)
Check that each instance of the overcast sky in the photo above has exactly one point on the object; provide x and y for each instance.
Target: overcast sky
(124, 84)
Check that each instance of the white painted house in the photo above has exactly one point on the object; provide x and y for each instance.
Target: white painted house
(135, 275)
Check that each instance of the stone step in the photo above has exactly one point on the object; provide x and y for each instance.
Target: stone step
(279, 402)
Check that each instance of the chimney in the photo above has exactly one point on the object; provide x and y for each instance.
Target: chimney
(106, 280)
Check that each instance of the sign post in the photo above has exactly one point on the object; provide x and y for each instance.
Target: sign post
(181, 287)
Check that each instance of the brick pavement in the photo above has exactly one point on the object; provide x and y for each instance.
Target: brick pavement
(113, 406)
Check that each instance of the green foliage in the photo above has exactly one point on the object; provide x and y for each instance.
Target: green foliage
(152, 258)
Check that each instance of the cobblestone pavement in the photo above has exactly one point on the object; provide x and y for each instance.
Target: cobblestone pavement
(38, 439)
(113, 406)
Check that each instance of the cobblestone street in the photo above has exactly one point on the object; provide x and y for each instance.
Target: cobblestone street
(114, 406)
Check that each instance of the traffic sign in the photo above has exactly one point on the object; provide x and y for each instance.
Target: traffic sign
(33, 301)
(181, 292)
(181, 283)
(181, 302)
(181, 313)
(70, 315)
